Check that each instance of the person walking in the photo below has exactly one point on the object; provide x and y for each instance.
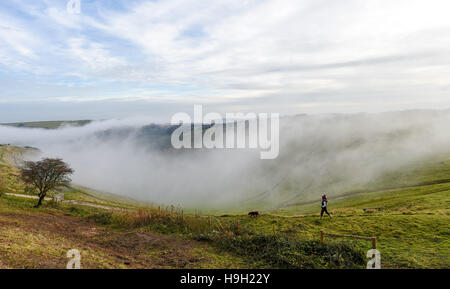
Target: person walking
(324, 206)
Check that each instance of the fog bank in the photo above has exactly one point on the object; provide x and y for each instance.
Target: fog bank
(332, 153)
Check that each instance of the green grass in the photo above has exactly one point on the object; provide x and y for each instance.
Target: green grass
(412, 227)
(281, 251)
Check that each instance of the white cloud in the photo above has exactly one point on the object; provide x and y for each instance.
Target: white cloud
(293, 52)
(284, 42)
(92, 55)
(16, 44)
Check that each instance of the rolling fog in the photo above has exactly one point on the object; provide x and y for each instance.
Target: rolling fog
(331, 153)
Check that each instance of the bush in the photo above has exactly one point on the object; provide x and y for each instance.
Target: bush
(103, 218)
(165, 221)
(278, 251)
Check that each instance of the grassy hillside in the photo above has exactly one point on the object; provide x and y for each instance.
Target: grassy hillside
(291, 191)
(48, 124)
(411, 226)
(40, 238)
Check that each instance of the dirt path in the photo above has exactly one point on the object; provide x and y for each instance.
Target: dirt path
(73, 202)
(26, 196)
(42, 240)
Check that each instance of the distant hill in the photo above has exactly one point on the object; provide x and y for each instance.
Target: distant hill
(48, 124)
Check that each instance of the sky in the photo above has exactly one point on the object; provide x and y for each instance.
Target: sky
(117, 59)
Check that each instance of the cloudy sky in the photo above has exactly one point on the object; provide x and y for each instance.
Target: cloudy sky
(126, 58)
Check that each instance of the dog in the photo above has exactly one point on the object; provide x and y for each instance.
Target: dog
(253, 214)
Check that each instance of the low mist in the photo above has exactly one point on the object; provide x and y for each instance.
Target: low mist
(326, 153)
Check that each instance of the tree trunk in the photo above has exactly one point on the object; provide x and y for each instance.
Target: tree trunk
(41, 198)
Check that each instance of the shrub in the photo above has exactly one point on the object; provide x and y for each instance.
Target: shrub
(167, 220)
(278, 251)
(103, 218)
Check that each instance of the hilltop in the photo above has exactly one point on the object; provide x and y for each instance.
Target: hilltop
(48, 124)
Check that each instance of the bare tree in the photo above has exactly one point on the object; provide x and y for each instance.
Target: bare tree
(46, 174)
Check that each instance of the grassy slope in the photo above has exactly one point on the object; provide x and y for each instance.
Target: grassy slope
(427, 170)
(40, 238)
(48, 124)
(412, 227)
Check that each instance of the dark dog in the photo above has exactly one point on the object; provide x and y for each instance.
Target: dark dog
(253, 214)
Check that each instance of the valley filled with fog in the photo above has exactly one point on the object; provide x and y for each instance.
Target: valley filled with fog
(333, 153)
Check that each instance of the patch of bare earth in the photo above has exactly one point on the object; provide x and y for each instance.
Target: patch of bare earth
(42, 241)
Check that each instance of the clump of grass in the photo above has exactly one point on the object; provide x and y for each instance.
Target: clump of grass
(163, 220)
(157, 220)
(103, 218)
(280, 251)
(169, 220)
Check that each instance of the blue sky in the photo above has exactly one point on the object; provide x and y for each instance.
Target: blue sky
(155, 58)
